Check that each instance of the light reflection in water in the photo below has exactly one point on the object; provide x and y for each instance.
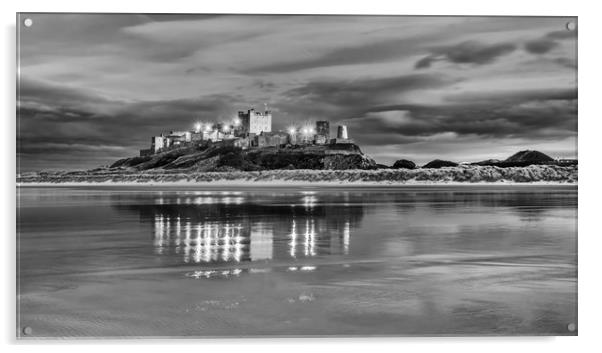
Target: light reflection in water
(206, 242)
(293, 242)
(221, 228)
(346, 237)
(210, 242)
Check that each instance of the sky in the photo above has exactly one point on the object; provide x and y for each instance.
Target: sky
(93, 88)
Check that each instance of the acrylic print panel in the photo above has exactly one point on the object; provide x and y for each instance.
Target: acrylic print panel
(248, 175)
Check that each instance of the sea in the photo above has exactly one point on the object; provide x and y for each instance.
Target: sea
(463, 260)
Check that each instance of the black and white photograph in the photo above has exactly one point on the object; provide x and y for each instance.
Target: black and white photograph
(184, 175)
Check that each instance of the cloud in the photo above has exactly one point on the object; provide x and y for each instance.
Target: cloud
(364, 92)
(425, 62)
(542, 114)
(566, 62)
(540, 46)
(565, 34)
(549, 41)
(368, 53)
(54, 119)
(469, 52)
(93, 88)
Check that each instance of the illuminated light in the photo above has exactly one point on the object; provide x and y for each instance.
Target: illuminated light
(236, 121)
(226, 128)
(292, 269)
(293, 242)
(306, 237)
(208, 127)
(178, 229)
(346, 236)
(197, 127)
(226, 244)
(312, 243)
(261, 246)
(309, 201)
(306, 131)
(205, 249)
(159, 233)
(259, 270)
(308, 268)
(292, 131)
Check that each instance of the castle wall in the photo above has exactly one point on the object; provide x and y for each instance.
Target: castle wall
(157, 143)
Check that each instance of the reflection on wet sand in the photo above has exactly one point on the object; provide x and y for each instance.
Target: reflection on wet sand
(430, 261)
(228, 230)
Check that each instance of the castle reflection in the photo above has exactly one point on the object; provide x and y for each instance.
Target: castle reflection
(226, 228)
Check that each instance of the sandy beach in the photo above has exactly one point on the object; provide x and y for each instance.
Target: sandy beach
(178, 260)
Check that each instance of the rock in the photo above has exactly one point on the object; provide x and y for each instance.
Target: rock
(487, 162)
(438, 163)
(347, 161)
(529, 156)
(404, 164)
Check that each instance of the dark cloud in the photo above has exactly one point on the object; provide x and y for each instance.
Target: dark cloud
(105, 83)
(377, 116)
(540, 46)
(425, 62)
(566, 62)
(469, 52)
(55, 120)
(565, 34)
(549, 41)
(365, 92)
(511, 97)
(368, 53)
(541, 114)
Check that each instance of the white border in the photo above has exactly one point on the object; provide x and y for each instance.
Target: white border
(589, 169)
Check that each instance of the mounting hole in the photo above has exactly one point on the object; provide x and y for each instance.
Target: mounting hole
(28, 22)
(571, 327)
(27, 330)
(571, 26)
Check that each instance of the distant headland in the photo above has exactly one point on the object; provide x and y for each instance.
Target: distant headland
(246, 149)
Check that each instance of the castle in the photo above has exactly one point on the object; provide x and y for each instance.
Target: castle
(254, 122)
(250, 129)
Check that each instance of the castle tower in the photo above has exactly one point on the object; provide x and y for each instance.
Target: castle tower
(342, 132)
(323, 129)
(255, 122)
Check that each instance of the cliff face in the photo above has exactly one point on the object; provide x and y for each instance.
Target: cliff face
(228, 158)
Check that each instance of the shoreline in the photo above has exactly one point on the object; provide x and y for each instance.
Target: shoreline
(451, 176)
(287, 183)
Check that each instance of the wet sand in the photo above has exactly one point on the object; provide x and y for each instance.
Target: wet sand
(419, 261)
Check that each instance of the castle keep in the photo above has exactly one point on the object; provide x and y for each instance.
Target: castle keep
(255, 122)
(250, 129)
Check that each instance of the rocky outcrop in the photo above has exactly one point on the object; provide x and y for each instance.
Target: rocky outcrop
(218, 157)
(534, 157)
(404, 164)
(348, 161)
(522, 159)
(438, 163)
